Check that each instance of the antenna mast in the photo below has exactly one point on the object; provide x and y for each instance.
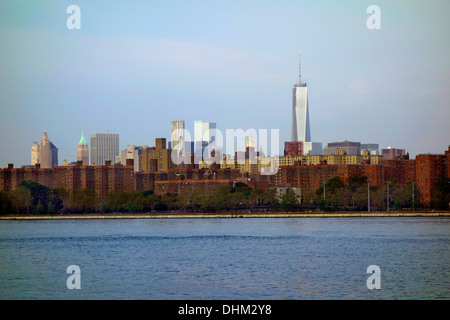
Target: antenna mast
(299, 69)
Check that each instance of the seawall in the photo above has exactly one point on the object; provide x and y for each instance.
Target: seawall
(226, 215)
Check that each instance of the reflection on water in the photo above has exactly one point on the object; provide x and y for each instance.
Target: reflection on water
(280, 258)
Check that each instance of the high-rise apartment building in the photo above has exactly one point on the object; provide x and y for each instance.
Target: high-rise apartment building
(104, 147)
(157, 158)
(83, 151)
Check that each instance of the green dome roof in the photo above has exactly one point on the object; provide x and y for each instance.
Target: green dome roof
(82, 140)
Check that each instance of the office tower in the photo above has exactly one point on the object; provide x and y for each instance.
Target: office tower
(373, 148)
(300, 111)
(83, 151)
(35, 153)
(54, 154)
(345, 147)
(104, 147)
(46, 153)
(300, 118)
(177, 136)
(203, 135)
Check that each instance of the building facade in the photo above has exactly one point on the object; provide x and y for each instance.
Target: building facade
(392, 153)
(131, 152)
(293, 148)
(157, 158)
(350, 148)
(104, 147)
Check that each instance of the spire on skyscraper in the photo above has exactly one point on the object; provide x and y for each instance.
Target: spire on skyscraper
(299, 69)
(82, 140)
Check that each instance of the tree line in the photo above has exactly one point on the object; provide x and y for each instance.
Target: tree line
(33, 198)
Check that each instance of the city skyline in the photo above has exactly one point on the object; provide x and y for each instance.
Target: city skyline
(231, 64)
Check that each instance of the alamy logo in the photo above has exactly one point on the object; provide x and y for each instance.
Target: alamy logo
(74, 20)
(74, 280)
(374, 21)
(374, 281)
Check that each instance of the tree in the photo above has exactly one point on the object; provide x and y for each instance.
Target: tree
(169, 201)
(39, 192)
(50, 208)
(131, 207)
(289, 199)
(220, 197)
(21, 199)
(185, 199)
(150, 200)
(5, 203)
(59, 198)
(84, 200)
(440, 198)
(270, 197)
(200, 198)
(39, 208)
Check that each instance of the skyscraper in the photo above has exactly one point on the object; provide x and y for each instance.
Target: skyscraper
(177, 136)
(45, 153)
(104, 147)
(35, 153)
(300, 111)
(203, 135)
(83, 151)
(300, 118)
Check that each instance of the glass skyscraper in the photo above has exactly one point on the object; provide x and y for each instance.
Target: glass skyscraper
(300, 113)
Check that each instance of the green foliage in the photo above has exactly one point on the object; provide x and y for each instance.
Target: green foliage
(31, 197)
(441, 195)
(131, 207)
(5, 203)
(39, 208)
(289, 199)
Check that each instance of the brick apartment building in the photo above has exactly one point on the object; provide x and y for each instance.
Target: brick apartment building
(424, 170)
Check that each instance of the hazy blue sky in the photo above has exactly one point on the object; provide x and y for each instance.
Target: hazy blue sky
(136, 65)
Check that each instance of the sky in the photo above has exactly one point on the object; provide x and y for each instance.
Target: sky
(133, 67)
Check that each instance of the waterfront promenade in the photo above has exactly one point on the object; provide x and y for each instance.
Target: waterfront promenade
(178, 215)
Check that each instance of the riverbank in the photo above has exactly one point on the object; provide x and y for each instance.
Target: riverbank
(178, 215)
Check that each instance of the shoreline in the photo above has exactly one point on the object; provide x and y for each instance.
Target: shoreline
(178, 215)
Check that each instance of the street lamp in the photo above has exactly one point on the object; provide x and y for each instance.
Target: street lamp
(413, 204)
(388, 183)
(323, 182)
(368, 196)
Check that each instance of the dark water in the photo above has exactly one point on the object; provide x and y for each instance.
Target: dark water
(322, 258)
